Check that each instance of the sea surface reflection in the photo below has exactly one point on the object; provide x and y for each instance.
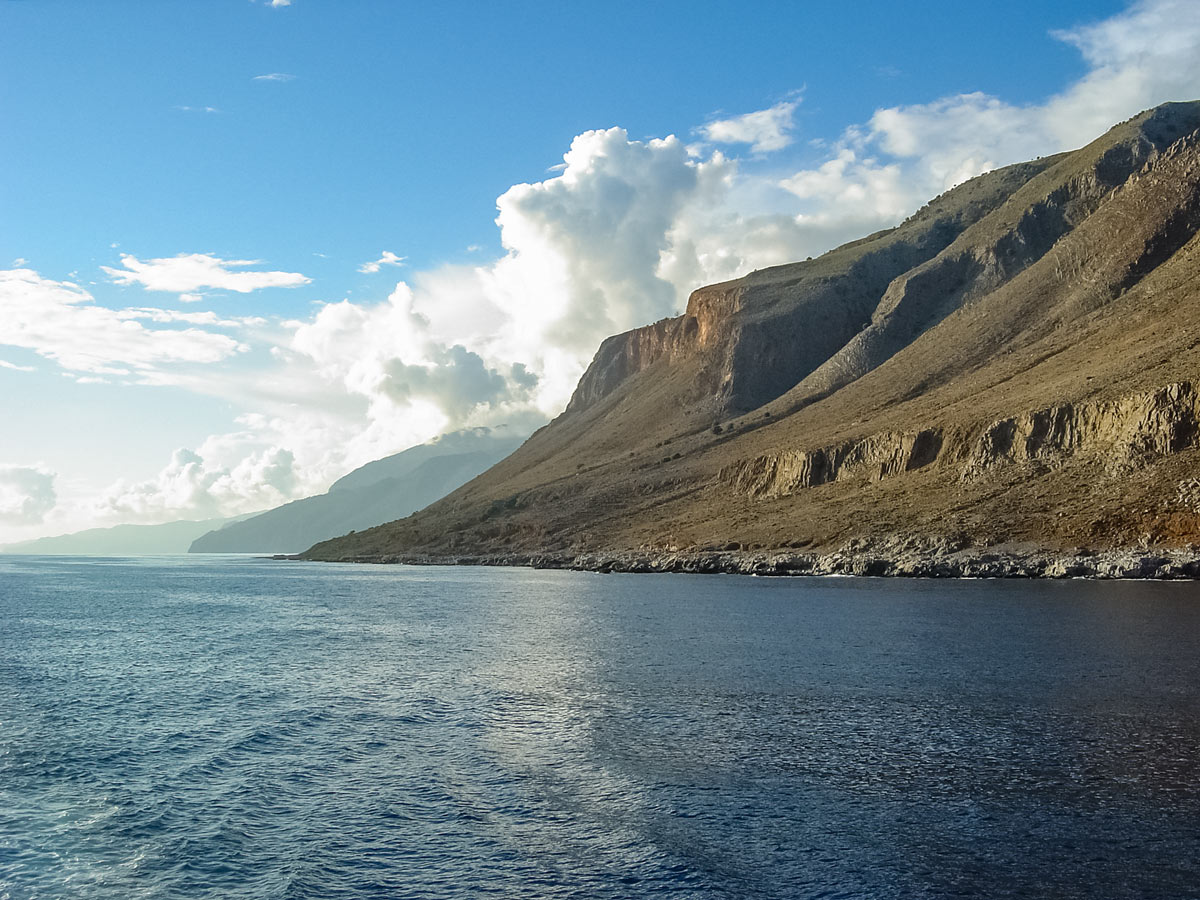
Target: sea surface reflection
(232, 727)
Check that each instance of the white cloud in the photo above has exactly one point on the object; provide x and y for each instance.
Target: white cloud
(408, 385)
(60, 321)
(906, 154)
(190, 272)
(5, 364)
(1138, 58)
(203, 109)
(764, 130)
(190, 486)
(387, 259)
(210, 318)
(584, 246)
(26, 494)
(278, 3)
(849, 187)
(275, 76)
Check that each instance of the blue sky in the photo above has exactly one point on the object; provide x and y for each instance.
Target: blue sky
(155, 155)
(404, 122)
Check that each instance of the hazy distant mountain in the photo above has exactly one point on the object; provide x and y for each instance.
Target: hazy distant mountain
(1017, 363)
(378, 492)
(121, 540)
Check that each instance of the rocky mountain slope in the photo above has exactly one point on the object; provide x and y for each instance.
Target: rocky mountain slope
(374, 493)
(1013, 366)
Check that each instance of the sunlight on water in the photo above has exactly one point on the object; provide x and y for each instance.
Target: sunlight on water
(233, 727)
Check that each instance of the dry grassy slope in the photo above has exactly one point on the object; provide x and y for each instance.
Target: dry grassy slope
(1103, 311)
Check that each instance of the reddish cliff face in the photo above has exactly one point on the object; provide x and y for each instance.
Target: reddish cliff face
(703, 328)
(625, 355)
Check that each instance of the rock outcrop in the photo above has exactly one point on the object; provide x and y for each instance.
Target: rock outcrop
(1124, 433)
(876, 457)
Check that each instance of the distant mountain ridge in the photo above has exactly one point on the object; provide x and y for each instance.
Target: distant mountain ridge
(122, 540)
(377, 492)
(1014, 365)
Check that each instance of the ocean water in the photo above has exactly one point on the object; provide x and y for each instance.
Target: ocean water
(239, 728)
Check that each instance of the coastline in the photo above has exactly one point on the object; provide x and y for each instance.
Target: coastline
(926, 562)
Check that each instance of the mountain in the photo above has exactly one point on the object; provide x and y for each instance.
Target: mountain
(121, 540)
(378, 492)
(1013, 366)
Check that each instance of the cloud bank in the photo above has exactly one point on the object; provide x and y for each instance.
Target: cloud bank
(60, 321)
(26, 494)
(189, 486)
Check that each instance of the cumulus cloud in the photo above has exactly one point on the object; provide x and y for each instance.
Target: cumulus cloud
(764, 130)
(616, 238)
(387, 259)
(191, 486)
(274, 76)
(1139, 58)
(411, 386)
(61, 321)
(455, 381)
(463, 345)
(26, 494)
(584, 246)
(190, 272)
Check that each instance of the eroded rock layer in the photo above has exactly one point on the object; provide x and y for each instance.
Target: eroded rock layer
(1121, 434)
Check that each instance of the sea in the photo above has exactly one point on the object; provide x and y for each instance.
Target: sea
(234, 727)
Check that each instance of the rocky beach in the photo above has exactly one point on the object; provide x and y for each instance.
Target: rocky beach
(898, 559)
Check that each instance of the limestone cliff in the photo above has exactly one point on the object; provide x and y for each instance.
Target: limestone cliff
(1120, 434)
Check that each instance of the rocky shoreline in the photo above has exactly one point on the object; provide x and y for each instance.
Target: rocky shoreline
(927, 561)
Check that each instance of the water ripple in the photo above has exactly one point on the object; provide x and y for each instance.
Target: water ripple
(229, 728)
